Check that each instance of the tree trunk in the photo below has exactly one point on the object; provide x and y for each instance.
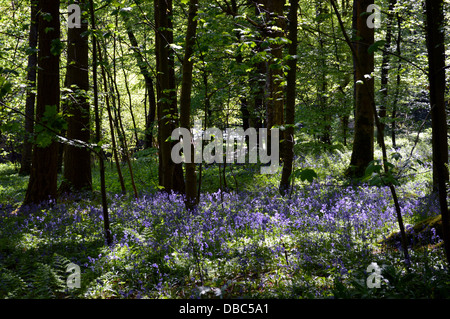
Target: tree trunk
(363, 147)
(325, 127)
(397, 85)
(77, 160)
(436, 74)
(290, 100)
(170, 174)
(110, 121)
(385, 66)
(42, 185)
(27, 151)
(185, 103)
(106, 225)
(275, 98)
(360, 67)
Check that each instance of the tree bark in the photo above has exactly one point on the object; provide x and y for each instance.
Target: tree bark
(185, 103)
(290, 100)
(42, 185)
(363, 148)
(27, 151)
(77, 160)
(397, 84)
(436, 74)
(110, 121)
(170, 174)
(275, 99)
(385, 66)
(106, 225)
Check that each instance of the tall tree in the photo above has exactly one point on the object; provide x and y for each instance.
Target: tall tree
(398, 51)
(185, 102)
(385, 66)
(77, 160)
(290, 99)
(359, 66)
(436, 73)
(100, 153)
(274, 30)
(325, 127)
(170, 174)
(25, 165)
(42, 185)
(363, 148)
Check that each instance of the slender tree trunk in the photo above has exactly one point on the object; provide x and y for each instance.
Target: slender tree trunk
(130, 104)
(77, 160)
(144, 68)
(106, 226)
(385, 66)
(397, 84)
(27, 151)
(185, 103)
(325, 134)
(436, 73)
(290, 100)
(42, 185)
(111, 124)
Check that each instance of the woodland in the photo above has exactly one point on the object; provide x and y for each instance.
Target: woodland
(93, 205)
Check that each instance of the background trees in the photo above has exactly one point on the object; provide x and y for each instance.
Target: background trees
(248, 63)
(110, 93)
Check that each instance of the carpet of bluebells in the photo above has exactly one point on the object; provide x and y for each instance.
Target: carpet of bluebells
(315, 243)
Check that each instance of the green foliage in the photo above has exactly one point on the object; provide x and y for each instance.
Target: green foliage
(34, 279)
(396, 283)
(231, 58)
(57, 47)
(305, 174)
(376, 46)
(376, 175)
(52, 122)
(5, 87)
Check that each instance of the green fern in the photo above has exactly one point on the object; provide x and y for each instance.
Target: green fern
(35, 279)
(11, 284)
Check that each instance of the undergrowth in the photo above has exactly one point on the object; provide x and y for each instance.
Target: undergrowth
(247, 241)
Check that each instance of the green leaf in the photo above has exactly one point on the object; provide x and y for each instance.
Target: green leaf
(46, 16)
(5, 87)
(373, 167)
(52, 122)
(396, 156)
(56, 47)
(374, 47)
(305, 174)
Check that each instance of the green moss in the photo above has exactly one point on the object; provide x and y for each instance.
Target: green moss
(419, 234)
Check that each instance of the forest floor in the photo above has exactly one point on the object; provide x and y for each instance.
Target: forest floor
(320, 241)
